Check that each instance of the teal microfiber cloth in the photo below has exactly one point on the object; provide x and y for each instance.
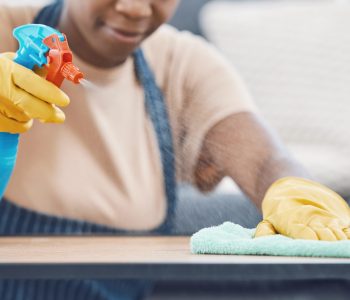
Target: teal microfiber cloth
(230, 238)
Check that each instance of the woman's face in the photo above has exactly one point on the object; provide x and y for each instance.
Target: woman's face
(117, 27)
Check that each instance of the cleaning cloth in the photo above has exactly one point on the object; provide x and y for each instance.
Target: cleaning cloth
(230, 238)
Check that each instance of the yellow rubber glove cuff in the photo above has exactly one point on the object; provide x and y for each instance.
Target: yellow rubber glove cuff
(304, 209)
(25, 96)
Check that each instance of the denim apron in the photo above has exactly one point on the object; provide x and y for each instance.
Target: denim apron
(17, 221)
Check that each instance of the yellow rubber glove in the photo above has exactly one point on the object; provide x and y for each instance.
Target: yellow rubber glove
(25, 96)
(303, 209)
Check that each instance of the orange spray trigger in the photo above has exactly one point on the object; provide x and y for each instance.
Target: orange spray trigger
(60, 61)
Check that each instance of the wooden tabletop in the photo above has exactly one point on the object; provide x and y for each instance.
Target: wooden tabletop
(166, 258)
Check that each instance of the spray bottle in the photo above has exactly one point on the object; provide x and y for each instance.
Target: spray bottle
(39, 46)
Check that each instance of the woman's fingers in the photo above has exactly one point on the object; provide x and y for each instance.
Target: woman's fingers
(264, 228)
(38, 109)
(12, 126)
(37, 86)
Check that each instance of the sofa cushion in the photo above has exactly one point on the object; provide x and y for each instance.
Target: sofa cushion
(295, 59)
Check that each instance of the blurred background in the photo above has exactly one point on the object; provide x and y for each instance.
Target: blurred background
(295, 58)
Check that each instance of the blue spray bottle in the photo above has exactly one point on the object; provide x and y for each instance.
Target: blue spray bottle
(39, 45)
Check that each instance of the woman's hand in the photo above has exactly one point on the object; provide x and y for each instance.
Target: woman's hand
(25, 96)
(303, 209)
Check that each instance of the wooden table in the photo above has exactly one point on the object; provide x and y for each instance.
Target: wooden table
(165, 258)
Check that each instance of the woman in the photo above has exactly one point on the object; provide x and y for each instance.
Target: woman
(164, 106)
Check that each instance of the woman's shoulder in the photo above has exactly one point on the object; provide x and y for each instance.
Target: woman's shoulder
(171, 49)
(16, 15)
(169, 32)
(12, 16)
(169, 39)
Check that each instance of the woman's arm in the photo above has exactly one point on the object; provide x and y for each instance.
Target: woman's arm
(243, 147)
